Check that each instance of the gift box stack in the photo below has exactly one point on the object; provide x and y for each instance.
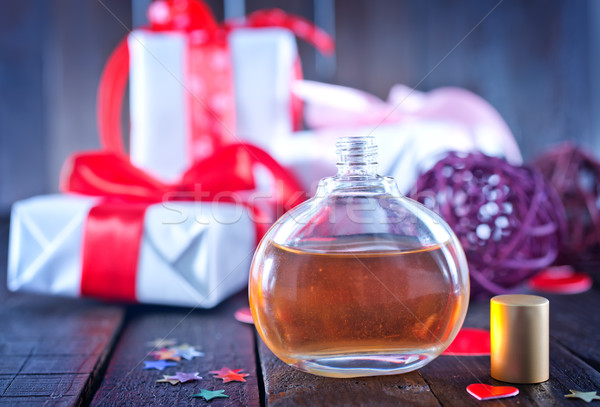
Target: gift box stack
(215, 156)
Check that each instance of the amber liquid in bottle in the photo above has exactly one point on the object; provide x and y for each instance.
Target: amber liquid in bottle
(394, 298)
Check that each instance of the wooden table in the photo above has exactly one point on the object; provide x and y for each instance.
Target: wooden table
(63, 352)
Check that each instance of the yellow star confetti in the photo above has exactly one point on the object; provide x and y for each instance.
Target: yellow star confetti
(587, 396)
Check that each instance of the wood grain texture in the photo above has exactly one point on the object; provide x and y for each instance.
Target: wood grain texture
(51, 349)
(444, 380)
(225, 342)
(286, 386)
(448, 377)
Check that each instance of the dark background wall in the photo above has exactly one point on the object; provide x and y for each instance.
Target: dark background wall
(536, 61)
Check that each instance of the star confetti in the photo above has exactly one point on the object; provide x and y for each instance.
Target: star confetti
(188, 353)
(587, 396)
(209, 395)
(183, 346)
(161, 343)
(166, 354)
(234, 377)
(224, 371)
(168, 379)
(179, 377)
(158, 364)
(229, 375)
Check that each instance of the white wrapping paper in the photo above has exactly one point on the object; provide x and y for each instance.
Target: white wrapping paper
(191, 254)
(404, 150)
(263, 61)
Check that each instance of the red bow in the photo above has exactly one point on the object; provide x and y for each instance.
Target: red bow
(114, 228)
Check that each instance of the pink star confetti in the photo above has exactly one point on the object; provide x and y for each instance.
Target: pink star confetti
(180, 377)
(166, 354)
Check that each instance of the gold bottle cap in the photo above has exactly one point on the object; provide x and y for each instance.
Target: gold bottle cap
(520, 335)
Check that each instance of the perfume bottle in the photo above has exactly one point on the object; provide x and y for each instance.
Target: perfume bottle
(358, 280)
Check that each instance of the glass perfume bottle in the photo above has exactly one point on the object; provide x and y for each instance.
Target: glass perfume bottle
(358, 280)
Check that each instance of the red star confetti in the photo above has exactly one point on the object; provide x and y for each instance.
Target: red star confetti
(229, 375)
(161, 343)
(234, 377)
(166, 354)
(179, 377)
(158, 364)
(586, 396)
(224, 371)
(209, 395)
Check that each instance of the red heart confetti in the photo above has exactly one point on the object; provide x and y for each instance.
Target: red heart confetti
(560, 280)
(470, 342)
(244, 315)
(486, 392)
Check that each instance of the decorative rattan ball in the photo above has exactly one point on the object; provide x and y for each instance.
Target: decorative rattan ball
(507, 218)
(576, 177)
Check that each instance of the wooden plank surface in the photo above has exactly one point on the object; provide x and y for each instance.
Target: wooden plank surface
(225, 342)
(51, 349)
(448, 376)
(286, 386)
(443, 381)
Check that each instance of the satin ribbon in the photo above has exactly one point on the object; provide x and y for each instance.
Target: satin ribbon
(338, 107)
(114, 228)
(194, 17)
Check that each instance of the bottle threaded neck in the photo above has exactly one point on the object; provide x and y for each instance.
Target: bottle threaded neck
(357, 156)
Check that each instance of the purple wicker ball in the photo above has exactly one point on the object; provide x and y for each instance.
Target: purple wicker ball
(507, 218)
(576, 177)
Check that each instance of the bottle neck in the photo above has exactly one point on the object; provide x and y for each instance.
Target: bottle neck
(357, 157)
(357, 171)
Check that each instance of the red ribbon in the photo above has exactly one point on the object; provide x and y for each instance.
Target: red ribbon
(114, 228)
(108, 268)
(188, 16)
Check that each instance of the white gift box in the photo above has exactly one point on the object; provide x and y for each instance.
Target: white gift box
(192, 253)
(263, 61)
